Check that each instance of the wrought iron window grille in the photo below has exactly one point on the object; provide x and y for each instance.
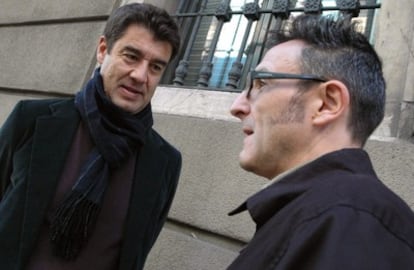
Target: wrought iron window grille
(208, 24)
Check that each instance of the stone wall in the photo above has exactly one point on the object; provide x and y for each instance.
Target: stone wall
(394, 42)
(47, 49)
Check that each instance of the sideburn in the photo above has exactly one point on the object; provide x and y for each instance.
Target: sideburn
(294, 111)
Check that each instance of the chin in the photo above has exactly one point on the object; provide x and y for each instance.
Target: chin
(246, 164)
(126, 107)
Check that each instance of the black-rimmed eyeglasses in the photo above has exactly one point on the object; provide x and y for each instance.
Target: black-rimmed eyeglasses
(254, 75)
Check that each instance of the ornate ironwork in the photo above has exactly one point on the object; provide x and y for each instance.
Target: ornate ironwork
(223, 12)
(313, 6)
(351, 7)
(251, 11)
(234, 75)
(280, 9)
(181, 72)
(205, 74)
(182, 69)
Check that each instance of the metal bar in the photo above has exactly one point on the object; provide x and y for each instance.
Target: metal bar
(240, 12)
(237, 67)
(182, 68)
(207, 67)
(223, 14)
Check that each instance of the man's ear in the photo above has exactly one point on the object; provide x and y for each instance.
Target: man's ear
(101, 51)
(333, 102)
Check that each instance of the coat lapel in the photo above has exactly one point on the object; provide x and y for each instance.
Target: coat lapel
(149, 175)
(52, 138)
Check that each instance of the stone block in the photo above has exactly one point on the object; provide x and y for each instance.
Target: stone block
(212, 183)
(38, 10)
(393, 161)
(174, 250)
(394, 44)
(50, 58)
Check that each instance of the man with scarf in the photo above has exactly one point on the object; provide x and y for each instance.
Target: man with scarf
(85, 182)
(308, 109)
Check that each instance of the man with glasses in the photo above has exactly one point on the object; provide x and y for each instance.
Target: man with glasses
(308, 110)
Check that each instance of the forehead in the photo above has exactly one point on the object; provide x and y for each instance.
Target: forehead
(143, 39)
(284, 57)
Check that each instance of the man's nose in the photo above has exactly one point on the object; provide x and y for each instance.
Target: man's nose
(241, 106)
(140, 72)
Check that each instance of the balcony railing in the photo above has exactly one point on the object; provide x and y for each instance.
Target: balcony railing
(223, 40)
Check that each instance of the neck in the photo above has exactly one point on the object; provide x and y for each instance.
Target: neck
(314, 146)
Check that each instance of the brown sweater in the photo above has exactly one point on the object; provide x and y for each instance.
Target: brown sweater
(102, 249)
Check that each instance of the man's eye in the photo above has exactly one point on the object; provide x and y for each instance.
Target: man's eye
(258, 84)
(256, 88)
(130, 57)
(157, 68)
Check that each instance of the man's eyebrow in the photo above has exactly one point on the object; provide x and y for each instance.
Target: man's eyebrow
(132, 50)
(139, 53)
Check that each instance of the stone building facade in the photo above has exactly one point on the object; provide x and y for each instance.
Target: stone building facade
(47, 49)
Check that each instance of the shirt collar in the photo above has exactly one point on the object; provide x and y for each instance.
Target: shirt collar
(290, 184)
(243, 206)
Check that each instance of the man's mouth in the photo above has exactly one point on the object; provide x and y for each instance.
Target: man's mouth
(131, 92)
(247, 130)
(131, 89)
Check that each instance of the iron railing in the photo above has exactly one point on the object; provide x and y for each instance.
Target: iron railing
(202, 23)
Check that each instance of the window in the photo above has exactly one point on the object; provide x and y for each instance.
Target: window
(227, 37)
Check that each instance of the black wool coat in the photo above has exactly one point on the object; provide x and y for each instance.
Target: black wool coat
(34, 142)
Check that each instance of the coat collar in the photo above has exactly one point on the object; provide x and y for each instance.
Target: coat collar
(267, 202)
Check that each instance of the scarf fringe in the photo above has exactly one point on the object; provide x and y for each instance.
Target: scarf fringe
(72, 225)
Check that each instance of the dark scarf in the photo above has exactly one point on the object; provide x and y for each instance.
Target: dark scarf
(115, 133)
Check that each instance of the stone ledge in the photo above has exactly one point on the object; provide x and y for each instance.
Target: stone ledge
(215, 105)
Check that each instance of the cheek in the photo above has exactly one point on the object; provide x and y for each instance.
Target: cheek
(151, 89)
(264, 138)
(107, 81)
(106, 74)
(152, 85)
(264, 124)
(105, 63)
(267, 134)
(153, 81)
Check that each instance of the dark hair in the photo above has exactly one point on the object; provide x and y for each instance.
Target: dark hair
(155, 19)
(336, 50)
